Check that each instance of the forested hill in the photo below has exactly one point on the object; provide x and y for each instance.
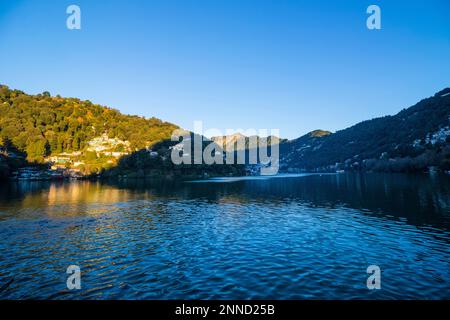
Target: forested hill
(412, 140)
(31, 122)
(83, 139)
(39, 126)
(69, 133)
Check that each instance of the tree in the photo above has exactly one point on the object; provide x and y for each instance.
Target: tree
(37, 150)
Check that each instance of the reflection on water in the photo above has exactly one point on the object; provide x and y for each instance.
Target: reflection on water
(294, 237)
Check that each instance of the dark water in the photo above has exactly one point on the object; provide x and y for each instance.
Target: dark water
(282, 238)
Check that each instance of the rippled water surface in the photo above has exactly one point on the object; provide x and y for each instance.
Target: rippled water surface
(297, 237)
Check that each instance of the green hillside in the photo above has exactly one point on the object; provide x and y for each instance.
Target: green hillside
(69, 134)
(87, 138)
(41, 124)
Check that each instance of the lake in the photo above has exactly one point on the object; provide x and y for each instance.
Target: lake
(289, 237)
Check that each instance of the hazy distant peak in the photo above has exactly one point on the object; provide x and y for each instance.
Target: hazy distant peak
(319, 133)
(229, 138)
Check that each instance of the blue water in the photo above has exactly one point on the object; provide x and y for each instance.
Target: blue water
(291, 237)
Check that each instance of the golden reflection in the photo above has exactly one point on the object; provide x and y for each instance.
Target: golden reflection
(76, 198)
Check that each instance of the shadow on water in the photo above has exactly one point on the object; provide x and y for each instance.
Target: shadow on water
(420, 200)
(417, 199)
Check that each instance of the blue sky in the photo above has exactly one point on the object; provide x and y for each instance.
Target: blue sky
(293, 65)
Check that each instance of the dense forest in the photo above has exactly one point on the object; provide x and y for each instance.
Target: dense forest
(91, 138)
(412, 140)
(41, 124)
(41, 129)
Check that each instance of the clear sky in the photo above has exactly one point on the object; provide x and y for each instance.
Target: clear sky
(293, 65)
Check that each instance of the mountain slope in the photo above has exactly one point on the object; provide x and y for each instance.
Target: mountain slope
(46, 125)
(411, 140)
(83, 138)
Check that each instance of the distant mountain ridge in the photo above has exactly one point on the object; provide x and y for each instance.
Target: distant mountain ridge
(92, 139)
(412, 140)
(241, 141)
